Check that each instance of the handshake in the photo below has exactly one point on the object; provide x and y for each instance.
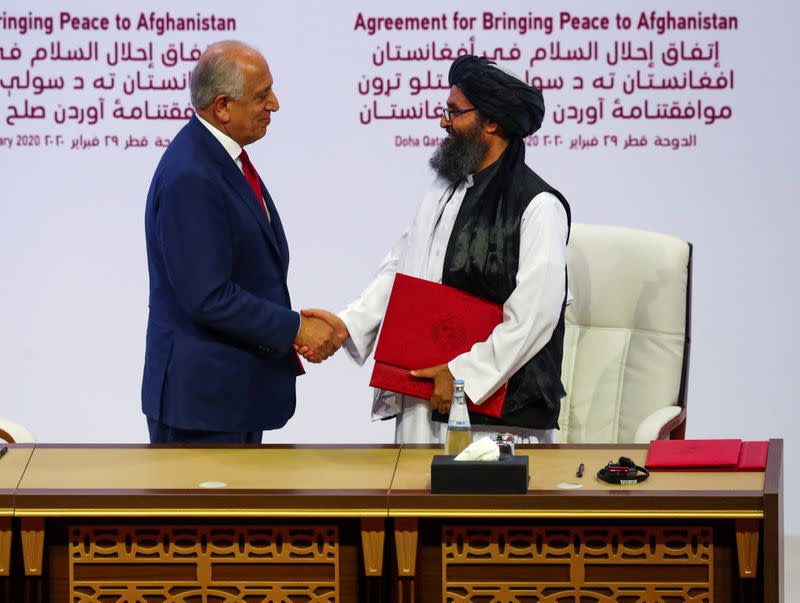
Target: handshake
(321, 335)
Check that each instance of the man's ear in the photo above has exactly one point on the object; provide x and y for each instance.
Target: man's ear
(492, 127)
(221, 108)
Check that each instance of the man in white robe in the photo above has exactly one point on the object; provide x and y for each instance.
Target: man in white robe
(530, 314)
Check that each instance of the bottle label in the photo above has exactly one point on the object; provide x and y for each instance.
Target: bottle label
(458, 420)
(458, 424)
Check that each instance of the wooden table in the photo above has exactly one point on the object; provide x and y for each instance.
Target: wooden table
(683, 535)
(308, 523)
(182, 524)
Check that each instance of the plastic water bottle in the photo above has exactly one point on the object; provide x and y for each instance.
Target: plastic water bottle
(459, 430)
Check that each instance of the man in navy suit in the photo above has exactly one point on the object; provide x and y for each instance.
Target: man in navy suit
(220, 361)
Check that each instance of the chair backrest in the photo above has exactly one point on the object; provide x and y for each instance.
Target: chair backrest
(14, 433)
(626, 346)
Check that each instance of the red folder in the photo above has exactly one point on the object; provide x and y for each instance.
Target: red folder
(753, 456)
(699, 455)
(427, 324)
(693, 454)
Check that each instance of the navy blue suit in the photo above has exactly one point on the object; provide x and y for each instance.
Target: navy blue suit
(219, 353)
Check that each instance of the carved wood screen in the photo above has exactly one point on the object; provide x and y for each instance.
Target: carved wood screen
(204, 564)
(588, 564)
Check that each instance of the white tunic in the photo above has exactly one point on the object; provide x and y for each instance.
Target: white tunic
(529, 315)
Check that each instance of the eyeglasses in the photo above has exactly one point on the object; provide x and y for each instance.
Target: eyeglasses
(449, 115)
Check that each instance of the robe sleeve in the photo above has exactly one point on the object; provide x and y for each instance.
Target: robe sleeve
(363, 317)
(531, 312)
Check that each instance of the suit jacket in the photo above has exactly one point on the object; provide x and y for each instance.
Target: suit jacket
(219, 353)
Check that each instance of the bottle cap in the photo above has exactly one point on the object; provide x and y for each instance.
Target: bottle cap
(459, 382)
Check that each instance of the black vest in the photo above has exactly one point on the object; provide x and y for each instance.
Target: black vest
(482, 258)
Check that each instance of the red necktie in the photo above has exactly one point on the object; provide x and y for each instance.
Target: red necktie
(252, 177)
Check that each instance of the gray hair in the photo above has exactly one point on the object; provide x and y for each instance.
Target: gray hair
(217, 72)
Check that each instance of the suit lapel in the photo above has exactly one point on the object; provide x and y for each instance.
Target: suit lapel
(277, 227)
(239, 183)
(235, 178)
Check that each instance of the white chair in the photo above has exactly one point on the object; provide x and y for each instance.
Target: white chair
(14, 433)
(626, 346)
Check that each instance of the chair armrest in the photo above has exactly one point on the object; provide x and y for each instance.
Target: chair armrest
(653, 426)
(14, 433)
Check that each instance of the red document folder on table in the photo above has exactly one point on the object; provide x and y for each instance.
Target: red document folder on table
(719, 455)
(427, 324)
(753, 456)
(693, 454)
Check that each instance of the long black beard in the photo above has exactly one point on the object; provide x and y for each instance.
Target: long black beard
(459, 154)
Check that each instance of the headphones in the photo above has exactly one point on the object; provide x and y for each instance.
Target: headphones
(625, 472)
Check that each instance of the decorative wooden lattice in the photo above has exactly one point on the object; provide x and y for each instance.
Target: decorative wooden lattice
(204, 564)
(589, 564)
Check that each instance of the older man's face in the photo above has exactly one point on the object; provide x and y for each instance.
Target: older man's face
(251, 114)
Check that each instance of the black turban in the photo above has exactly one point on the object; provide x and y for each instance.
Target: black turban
(517, 107)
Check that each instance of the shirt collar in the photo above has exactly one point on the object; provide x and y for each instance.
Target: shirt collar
(228, 143)
(484, 174)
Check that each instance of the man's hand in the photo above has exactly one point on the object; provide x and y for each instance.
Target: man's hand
(442, 396)
(317, 337)
(338, 329)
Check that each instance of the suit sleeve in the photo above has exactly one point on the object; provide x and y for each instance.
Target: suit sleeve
(197, 246)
